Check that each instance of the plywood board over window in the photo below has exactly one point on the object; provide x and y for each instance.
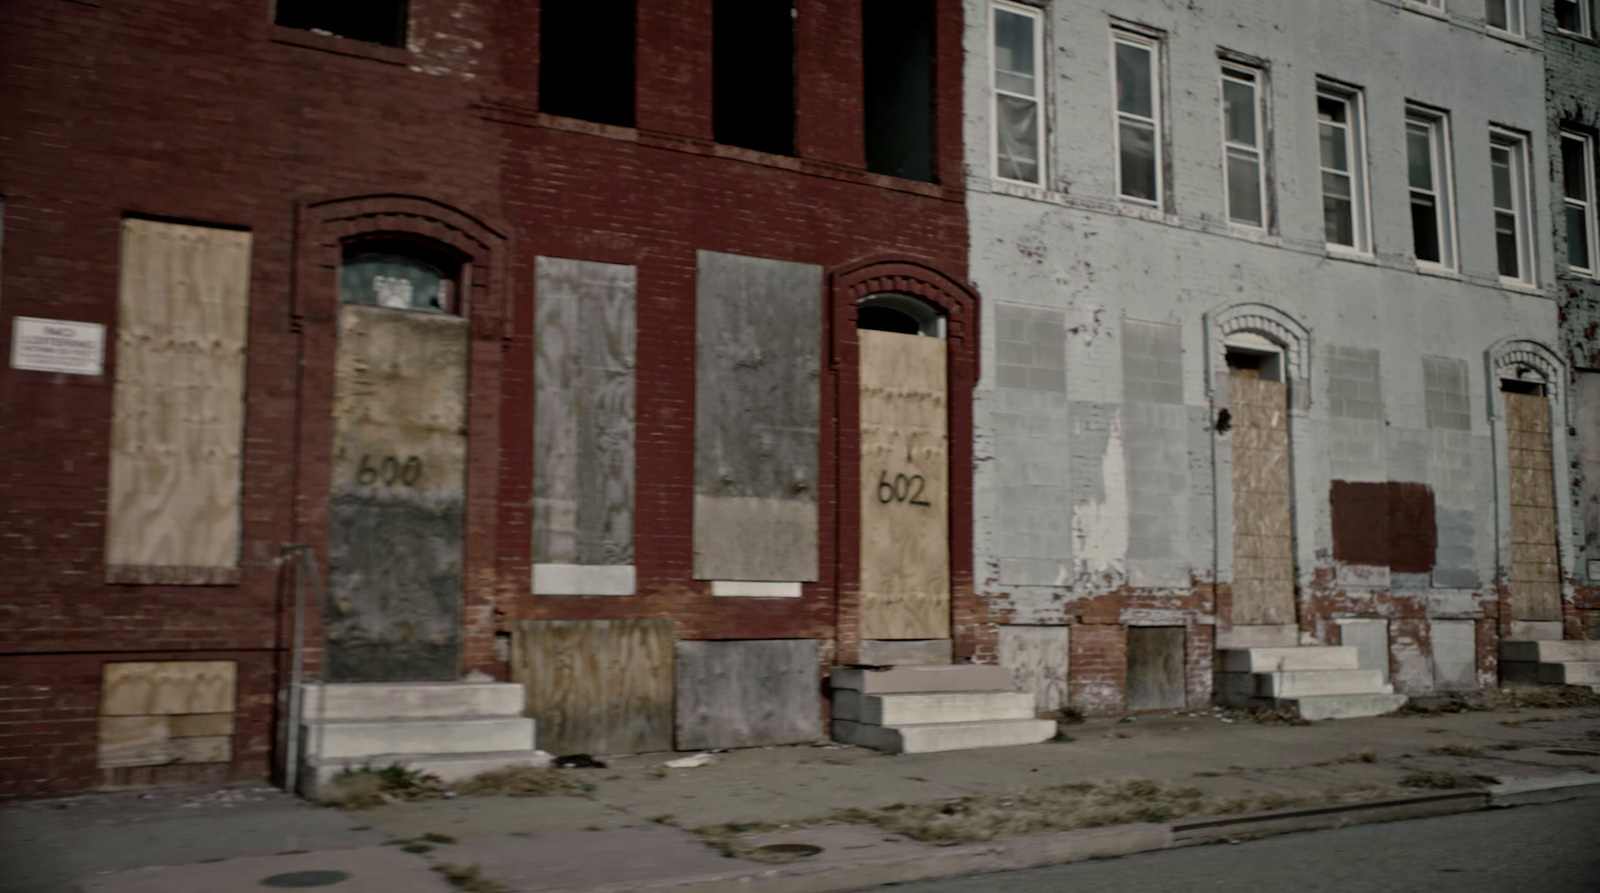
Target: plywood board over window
(758, 367)
(172, 512)
(157, 713)
(597, 686)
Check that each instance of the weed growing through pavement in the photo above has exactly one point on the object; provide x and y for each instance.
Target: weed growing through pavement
(1444, 781)
(367, 786)
(469, 878)
(1456, 750)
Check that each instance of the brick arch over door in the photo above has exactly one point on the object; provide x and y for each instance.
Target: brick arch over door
(958, 302)
(322, 230)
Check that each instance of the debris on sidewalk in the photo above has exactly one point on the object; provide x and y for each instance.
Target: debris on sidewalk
(691, 762)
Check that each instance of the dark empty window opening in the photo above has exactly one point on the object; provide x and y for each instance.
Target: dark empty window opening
(1254, 364)
(897, 71)
(1522, 386)
(887, 319)
(400, 274)
(905, 314)
(586, 60)
(752, 74)
(372, 21)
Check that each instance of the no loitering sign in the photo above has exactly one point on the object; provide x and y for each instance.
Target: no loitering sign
(55, 345)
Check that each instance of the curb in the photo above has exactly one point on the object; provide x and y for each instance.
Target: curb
(1040, 850)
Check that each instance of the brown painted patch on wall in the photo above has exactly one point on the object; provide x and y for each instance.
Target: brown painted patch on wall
(1387, 523)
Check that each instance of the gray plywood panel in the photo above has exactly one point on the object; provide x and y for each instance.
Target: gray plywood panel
(1455, 654)
(758, 345)
(748, 693)
(1038, 658)
(583, 480)
(1155, 668)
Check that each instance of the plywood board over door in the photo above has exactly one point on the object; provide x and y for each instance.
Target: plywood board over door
(177, 418)
(1535, 561)
(597, 686)
(748, 693)
(398, 496)
(905, 513)
(1263, 525)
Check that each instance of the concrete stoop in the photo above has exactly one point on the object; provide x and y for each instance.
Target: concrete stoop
(1551, 662)
(451, 729)
(1316, 681)
(923, 709)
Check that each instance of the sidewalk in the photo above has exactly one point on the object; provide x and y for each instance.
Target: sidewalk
(1130, 786)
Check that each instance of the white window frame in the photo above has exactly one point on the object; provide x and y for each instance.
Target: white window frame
(1255, 76)
(1442, 190)
(1585, 19)
(1585, 203)
(1428, 7)
(1355, 128)
(1519, 147)
(1124, 34)
(1037, 99)
(1516, 19)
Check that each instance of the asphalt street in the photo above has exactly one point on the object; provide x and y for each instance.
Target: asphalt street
(1553, 848)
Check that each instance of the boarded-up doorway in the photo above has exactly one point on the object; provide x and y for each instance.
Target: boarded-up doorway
(905, 526)
(398, 477)
(1535, 562)
(1263, 528)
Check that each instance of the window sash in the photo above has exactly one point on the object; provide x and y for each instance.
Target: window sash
(1504, 15)
(1244, 164)
(1578, 196)
(1433, 230)
(1508, 163)
(1017, 123)
(1138, 150)
(1343, 193)
(1582, 21)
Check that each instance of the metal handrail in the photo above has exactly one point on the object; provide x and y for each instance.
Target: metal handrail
(307, 568)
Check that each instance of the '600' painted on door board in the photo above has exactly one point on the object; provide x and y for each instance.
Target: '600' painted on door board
(389, 471)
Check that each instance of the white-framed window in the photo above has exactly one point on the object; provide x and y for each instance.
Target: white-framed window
(1508, 168)
(1136, 67)
(1344, 167)
(1017, 78)
(1575, 17)
(1504, 16)
(1244, 158)
(1431, 5)
(1432, 186)
(1578, 194)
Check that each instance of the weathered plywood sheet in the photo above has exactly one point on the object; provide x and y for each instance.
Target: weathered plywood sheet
(1263, 525)
(1455, 654)
(1039, 658)
(136, 688)
(178, 403)
(758, 364)
(597, 686)
(398, 496)
(1155, 668)
(1535, 558)
(905, 514)
(748, 693)
(583, 421)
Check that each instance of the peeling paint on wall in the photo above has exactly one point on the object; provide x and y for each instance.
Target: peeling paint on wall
(1100, 527)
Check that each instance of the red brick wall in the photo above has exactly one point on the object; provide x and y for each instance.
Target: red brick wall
(207, 113)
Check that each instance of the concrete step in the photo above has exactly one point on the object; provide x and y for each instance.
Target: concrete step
(931, 707)
(1306, 683)
(1551, 651)
(1349, 706)
(936, 737)
(448, 767)
(413, 700)
(950, 677)
(360, 739)
(1274, 660)
(1572, 672)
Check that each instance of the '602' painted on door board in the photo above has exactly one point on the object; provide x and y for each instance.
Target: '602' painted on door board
(903, 488)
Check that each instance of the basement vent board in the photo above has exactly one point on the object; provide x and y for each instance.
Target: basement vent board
(398, 494)
(583, 428)
(165, 712)
(177, 417)
(1039, 658)
(1263, 539)
(1156, 668)
(1535, 561)
(597, 686)
(758, 331)
(748, 693)
(905, 528)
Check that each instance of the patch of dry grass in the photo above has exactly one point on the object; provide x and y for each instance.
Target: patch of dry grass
(1358, 756)
(1444, 781)
(469, 878)
(521, 781)
(1538, 697)
(1456, 750)
(367, 786)
(984, 817)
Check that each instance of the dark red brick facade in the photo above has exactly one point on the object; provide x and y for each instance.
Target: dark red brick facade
(208, 113)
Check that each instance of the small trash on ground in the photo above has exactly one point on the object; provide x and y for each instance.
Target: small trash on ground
(578, 761)
(691, 762)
